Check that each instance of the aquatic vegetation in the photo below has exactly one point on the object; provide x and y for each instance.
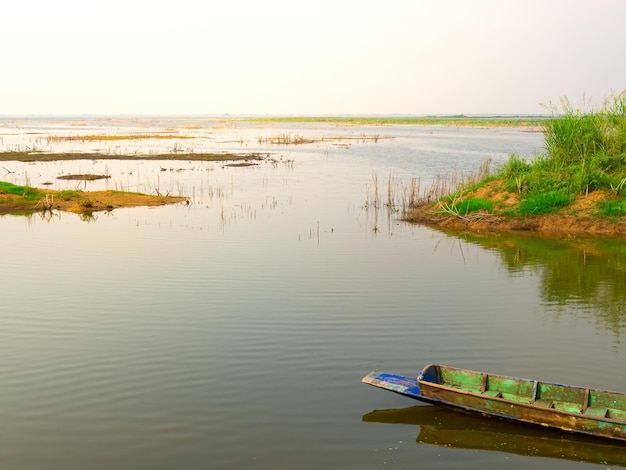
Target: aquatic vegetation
(113, 137)
(454, 185)
(402, 196)
(286, 139)
(27, 156)
(296, 139)
(581, 176)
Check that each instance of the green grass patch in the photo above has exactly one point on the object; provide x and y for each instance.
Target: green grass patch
(479, 184)
(68, 194)
(25, 191)
(544, 203)
(615, 208)
(467, 206)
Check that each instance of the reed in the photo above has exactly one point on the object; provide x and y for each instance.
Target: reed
(576, 137)
(46, 203)
(402, 196)
(411, 194)
(391, 192)
(372, 199)
(296, 139)
(453, 184)
(286, 139)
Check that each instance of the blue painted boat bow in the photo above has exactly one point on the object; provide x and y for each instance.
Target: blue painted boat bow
(406, 386)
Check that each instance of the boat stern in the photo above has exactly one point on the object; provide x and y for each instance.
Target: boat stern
(400, 384)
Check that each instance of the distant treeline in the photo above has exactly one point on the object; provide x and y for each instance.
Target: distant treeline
(454, 120)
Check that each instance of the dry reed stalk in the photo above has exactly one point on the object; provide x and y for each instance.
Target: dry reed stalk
(46, 203)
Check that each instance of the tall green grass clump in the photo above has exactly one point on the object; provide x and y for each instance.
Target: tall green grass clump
(579, 138)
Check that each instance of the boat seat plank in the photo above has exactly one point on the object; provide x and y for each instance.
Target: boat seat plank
(483, 386)
(567, 406)
(462, 387)
(616, 414)
(545, 403)
(599, 412)
(516, 398)
(586, 402)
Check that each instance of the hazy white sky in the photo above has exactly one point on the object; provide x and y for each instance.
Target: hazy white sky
(315, 57)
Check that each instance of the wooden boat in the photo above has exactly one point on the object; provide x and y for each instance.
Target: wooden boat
(574, 409)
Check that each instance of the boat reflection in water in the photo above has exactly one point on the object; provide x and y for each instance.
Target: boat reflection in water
(445, 428)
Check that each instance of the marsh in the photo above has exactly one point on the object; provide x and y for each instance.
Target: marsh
(234, 331)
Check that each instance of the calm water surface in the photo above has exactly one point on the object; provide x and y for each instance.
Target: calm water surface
(234, 332)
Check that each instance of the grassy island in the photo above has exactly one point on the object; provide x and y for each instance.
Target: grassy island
(16, 199)
(579, 185)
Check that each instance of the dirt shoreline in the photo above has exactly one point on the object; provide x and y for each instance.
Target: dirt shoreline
(548, 225)
(578, 219)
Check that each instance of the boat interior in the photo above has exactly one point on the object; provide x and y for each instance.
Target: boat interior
(590, 402)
